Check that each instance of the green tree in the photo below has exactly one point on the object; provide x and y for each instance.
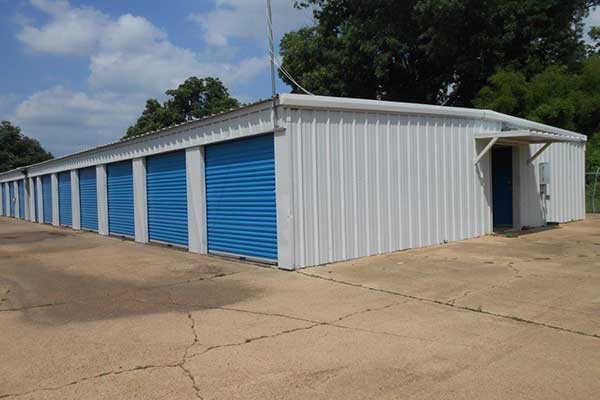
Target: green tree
(559, 96)
(430, 51)
(18, 150)
(595, 36)
(194, 98)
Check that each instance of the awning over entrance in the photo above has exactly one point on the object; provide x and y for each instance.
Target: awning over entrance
(523, 137)
(527, 137)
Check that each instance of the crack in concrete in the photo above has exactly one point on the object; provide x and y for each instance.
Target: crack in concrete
(32, 307)
(447, 304)
(254, 339)
(207, 278)
(88, 378)
(367, 310)
(266, 314)
(313, 324)
(180, 364)
(191, 377)
(465, 294)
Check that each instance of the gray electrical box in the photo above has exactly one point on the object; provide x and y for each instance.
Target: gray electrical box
(544, 173)
(544, 179)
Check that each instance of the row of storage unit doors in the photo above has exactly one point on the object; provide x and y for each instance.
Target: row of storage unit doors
(10, 209)
(240, 198)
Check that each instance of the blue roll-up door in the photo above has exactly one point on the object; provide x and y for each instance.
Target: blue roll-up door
(11, 191)
(35, 201)
(65, 210)
(47, 198)
(240, 198)
(88, 198)
(167, 198)
(21, 185)
(121, 217)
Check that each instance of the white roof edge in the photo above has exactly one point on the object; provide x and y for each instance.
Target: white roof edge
(351, 104)
(338, 103)
(170, 130)
(549, 136)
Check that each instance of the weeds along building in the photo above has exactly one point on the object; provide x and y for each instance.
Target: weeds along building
(317, 180)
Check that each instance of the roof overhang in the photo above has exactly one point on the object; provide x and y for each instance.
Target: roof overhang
(527, 137)
(523, 137)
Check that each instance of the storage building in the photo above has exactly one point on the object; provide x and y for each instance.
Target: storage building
(313, 180)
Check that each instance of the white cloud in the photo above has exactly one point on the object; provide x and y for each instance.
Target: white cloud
(74, 31)
(130, 60)
(246, 20)
(67, 121)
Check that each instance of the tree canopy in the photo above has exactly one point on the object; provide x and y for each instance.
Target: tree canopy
(18, 150)
(194, 98)
(429, 51)
(559, 96)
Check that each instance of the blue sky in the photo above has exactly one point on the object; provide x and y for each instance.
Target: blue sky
(76, 73)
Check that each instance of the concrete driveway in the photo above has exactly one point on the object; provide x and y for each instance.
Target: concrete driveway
(90, 317)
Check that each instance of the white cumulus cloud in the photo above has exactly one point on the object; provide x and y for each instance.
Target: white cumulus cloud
(70, 121)
(74, 31)
(246, 20)
(130, 60)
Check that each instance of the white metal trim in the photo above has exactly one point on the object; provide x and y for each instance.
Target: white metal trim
(40, 201)
(140, 200)
(102, 199)
(75, 205)
(55, 212)
(31, 199)
(293, 100)
(284, 199)
(196, 199)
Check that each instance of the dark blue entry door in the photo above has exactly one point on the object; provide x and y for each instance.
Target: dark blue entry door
(502, 186)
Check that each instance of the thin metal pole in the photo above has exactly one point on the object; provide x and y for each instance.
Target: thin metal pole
(272, 54)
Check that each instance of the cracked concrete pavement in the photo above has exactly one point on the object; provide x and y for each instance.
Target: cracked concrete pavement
(84, 316)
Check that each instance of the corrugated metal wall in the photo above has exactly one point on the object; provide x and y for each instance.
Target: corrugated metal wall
(566, 189)
(21, 185)
(65, 208)
(366, 183)
(240, 197)
(167, 198)
(88, 198)
(121, 218)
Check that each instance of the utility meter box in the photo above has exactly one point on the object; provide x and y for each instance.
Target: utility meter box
(544, 179)
(544, 173)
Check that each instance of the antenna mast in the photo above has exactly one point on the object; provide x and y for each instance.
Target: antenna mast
(272, 52)
(271, 49)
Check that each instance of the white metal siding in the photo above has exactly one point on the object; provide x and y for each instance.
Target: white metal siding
(370, 183)
(567, 184)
